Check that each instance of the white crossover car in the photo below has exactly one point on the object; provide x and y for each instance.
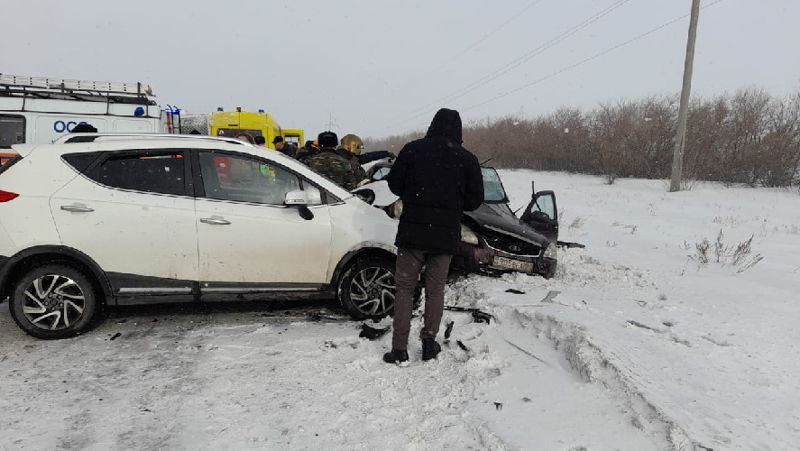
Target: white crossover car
(98, 220)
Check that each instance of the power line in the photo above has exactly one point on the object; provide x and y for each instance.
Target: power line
(527, 56)
(449, 63)
(588, 59)
(486, 36)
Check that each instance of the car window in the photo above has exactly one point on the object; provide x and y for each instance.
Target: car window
(12, 130)
(546, 204)
(248, 179)
(153, 172)
(492, 186)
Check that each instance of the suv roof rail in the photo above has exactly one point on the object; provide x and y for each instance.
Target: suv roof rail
(93, 137)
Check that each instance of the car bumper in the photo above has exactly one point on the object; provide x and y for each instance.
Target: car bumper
(491, 262)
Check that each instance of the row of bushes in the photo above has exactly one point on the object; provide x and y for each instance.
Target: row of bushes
(749, 137)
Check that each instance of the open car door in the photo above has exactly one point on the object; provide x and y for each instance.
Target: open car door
(542, 213)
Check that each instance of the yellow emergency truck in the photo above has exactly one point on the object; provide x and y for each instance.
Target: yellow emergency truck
(236, 123)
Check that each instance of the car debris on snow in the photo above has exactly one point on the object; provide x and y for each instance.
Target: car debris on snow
(372, 333)
(448, 330)
(478, 315)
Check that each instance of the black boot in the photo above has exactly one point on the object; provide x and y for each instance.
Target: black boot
(396, 356)
(430, 348)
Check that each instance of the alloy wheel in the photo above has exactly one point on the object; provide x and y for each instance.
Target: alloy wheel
(53, 302)
(372, 291)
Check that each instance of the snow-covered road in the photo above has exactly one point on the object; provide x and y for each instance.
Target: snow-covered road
(632, 346)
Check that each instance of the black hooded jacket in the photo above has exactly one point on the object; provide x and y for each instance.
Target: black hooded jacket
(438, 180)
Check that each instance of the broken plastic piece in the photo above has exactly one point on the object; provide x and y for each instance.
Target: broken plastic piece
(371, 333)
(481, 317)
(448, 330)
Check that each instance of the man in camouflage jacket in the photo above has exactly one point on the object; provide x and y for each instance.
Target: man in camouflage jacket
(334, 165)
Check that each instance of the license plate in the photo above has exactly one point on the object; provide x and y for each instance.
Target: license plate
(510, 263)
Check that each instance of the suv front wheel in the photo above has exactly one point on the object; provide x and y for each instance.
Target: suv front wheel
(54, 301)
(367, 288)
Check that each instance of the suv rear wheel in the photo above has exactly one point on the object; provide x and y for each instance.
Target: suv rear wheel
(54, 301)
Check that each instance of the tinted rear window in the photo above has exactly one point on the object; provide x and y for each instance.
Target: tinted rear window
(161, 173)
(80, 161)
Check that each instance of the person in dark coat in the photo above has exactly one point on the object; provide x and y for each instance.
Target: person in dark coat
(437, 179)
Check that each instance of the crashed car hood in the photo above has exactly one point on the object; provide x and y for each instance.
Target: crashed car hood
(493, 216)
(499, 218)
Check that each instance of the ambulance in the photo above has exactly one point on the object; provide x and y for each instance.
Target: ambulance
(237, 123)
(38, 110)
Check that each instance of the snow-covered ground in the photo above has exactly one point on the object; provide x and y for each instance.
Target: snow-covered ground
(633, 345)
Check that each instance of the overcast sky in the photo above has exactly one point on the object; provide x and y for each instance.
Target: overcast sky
(380, 67)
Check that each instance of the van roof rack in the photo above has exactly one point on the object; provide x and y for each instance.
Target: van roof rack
(85, 90)
(93, 137)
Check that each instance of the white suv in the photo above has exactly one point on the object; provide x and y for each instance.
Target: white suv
(117, 220)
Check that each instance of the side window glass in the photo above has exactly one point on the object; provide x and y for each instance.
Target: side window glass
(80, 161)
(545, 204)
(244, 179)
(313, 194)
(153, 173)
(12, 130)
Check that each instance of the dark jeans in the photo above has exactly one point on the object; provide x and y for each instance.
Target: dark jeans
(409, 265)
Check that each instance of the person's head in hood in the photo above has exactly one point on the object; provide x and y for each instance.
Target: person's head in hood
(446, 123)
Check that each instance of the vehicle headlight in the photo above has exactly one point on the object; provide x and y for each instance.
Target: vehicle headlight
(551, 251)
(468, 236)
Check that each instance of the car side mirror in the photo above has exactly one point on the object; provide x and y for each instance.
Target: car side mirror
(298, 199)
(295, 198)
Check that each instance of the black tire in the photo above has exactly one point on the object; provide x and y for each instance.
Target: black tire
(54, 301)
(366, 289)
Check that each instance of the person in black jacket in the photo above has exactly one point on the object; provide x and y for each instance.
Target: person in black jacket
(437, 180)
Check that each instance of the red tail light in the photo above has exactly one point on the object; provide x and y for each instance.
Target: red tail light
(6, 196)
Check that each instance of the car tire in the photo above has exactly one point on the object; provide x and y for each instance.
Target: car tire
(367, 288)
(54, 301)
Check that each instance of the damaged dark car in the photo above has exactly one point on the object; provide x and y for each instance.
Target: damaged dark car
(494, 240)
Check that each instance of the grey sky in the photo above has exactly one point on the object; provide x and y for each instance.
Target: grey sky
(379, 67)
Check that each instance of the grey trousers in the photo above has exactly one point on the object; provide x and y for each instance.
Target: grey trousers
(409, 265)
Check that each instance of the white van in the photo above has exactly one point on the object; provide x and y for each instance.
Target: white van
(36, 110)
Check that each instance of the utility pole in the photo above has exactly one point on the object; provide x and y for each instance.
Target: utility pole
(683, 111)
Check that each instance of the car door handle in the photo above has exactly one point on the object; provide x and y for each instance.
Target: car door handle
(215, 220)
(77, 208)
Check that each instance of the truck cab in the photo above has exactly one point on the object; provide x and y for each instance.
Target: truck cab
(232, 124)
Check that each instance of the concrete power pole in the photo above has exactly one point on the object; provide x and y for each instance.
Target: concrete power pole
(683, 111)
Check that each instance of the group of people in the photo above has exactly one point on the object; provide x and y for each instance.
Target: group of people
(337, 160)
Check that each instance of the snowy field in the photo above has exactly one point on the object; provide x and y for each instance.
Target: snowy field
(636, 344)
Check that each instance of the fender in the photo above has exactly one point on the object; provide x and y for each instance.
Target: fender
(360, 249)
(68, 252)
